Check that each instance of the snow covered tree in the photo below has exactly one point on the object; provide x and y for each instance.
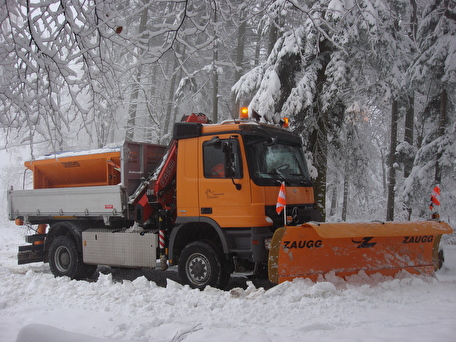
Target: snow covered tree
(80, 68)
(433, 75)
(280, 92)
(56, 67)
(340, 53)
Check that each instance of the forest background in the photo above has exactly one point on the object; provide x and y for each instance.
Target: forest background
(368, 84)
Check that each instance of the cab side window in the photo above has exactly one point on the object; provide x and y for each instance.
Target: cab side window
(221, 158)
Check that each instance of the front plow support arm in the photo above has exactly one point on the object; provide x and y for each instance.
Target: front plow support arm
(313, 249)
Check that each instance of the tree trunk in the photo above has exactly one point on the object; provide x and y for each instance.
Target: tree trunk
(318, 146)
(384, 181)
(442, 123)
(391, 162)
(347, 153)
(215, 72)
(240, 48)
(408, 138)
(257, 50)
(408, 135)
(172, 88)
(319, 137)
(410, 114)
(348, 161)
(346, 183)
(179, 77)
(273, 35)
(239, 61)
(151, 128)
(135, 91)
(413, 20)
(215, 85)
(332, 211)
(131, 123)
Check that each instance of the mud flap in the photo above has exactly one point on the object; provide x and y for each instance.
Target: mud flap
(313, 249)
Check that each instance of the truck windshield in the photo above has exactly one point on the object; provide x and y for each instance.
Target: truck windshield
(272, 161)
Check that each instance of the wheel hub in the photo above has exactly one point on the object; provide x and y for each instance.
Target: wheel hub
(63, 259)
(198, 269)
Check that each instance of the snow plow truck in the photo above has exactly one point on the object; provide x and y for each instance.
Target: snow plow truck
(207, 203)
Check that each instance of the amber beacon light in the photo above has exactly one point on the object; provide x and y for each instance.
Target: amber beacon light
(244, 113)
(285, 122)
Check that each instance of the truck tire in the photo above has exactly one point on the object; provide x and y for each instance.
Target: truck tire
(64, 260)
(200, 266)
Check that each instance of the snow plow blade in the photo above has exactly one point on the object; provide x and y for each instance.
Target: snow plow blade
(312, 249)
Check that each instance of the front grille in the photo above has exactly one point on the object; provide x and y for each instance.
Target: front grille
(300, 213)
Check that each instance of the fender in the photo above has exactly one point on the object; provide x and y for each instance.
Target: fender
(73, 229)
(182, 221)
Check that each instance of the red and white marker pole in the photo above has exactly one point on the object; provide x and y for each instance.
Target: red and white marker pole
(435, 202)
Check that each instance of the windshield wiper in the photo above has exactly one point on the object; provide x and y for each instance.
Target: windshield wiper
(280, 174)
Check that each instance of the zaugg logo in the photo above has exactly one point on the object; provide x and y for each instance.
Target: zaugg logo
(364, 243)
(417, 239)
(302, 244)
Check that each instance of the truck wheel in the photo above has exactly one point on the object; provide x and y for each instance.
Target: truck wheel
(200, 265)
(64, 260)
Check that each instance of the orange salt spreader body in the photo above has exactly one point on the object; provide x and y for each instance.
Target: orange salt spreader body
(312, 250)
(98, 168)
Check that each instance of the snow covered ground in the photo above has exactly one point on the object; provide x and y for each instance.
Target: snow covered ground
(35, 306)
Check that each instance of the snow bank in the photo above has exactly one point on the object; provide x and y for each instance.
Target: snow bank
(41, 332)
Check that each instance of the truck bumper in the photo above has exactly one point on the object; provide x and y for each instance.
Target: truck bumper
(30, 253)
